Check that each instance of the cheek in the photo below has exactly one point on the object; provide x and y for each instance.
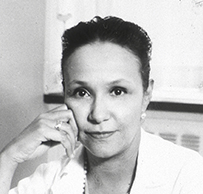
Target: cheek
(130, 126)
(129, 117)
(131, 109)
(79, 111)
(130, 120)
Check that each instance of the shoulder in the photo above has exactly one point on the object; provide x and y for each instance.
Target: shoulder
(169, 166)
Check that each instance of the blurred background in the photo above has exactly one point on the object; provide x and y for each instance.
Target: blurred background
(30, 52)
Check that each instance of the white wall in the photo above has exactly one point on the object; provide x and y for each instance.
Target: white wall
(21, 70)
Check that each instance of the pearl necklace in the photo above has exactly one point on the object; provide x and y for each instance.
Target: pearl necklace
(85, 173)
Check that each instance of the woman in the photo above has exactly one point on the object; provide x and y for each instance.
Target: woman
(105, 66)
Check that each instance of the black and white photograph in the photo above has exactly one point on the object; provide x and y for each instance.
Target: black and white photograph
(101, 97)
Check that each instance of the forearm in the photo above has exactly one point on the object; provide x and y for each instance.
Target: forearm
(35, 140)
(7, 169)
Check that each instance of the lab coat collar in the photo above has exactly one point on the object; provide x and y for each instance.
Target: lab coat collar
(148, 174)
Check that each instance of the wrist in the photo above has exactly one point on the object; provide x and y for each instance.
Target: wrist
(7, 170)
(6, 160)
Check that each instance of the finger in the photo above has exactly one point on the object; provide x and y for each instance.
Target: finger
(61, 125)
(42, 149)
(55, 124)
(67, 131)
(48, 131)
(73, 124)
(67, 145)
(58, 108)
(30, 142)
(62, 115)
(65, 116)
(54, 112)
(47, 135)
(43, 128)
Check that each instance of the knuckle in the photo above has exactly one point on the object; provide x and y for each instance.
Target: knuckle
(69, 112)
(41, 127)
(41, 122)
(41, 117)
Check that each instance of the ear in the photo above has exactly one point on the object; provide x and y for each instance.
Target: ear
(147, 95)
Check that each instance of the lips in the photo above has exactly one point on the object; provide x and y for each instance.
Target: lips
(100, 135)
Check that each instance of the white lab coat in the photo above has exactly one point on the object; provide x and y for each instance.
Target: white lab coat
(163, 168)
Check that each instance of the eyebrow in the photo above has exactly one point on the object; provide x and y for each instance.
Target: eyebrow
(119, 81)
(77, 82)
(110, 83)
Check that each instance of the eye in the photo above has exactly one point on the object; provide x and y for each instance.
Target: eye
(81, 93)
(118, 91)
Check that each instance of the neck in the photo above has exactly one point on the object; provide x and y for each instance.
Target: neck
(117, 170)
(114, 165)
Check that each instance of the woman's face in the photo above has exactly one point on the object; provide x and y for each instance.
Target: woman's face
(103, 88)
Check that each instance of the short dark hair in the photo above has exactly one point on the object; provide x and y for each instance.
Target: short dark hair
(114, 30)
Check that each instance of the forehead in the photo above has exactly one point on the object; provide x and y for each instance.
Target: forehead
(101, 60)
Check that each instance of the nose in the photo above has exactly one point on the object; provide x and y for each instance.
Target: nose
(99, 111)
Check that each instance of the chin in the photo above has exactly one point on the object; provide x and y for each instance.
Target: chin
(102, 152)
